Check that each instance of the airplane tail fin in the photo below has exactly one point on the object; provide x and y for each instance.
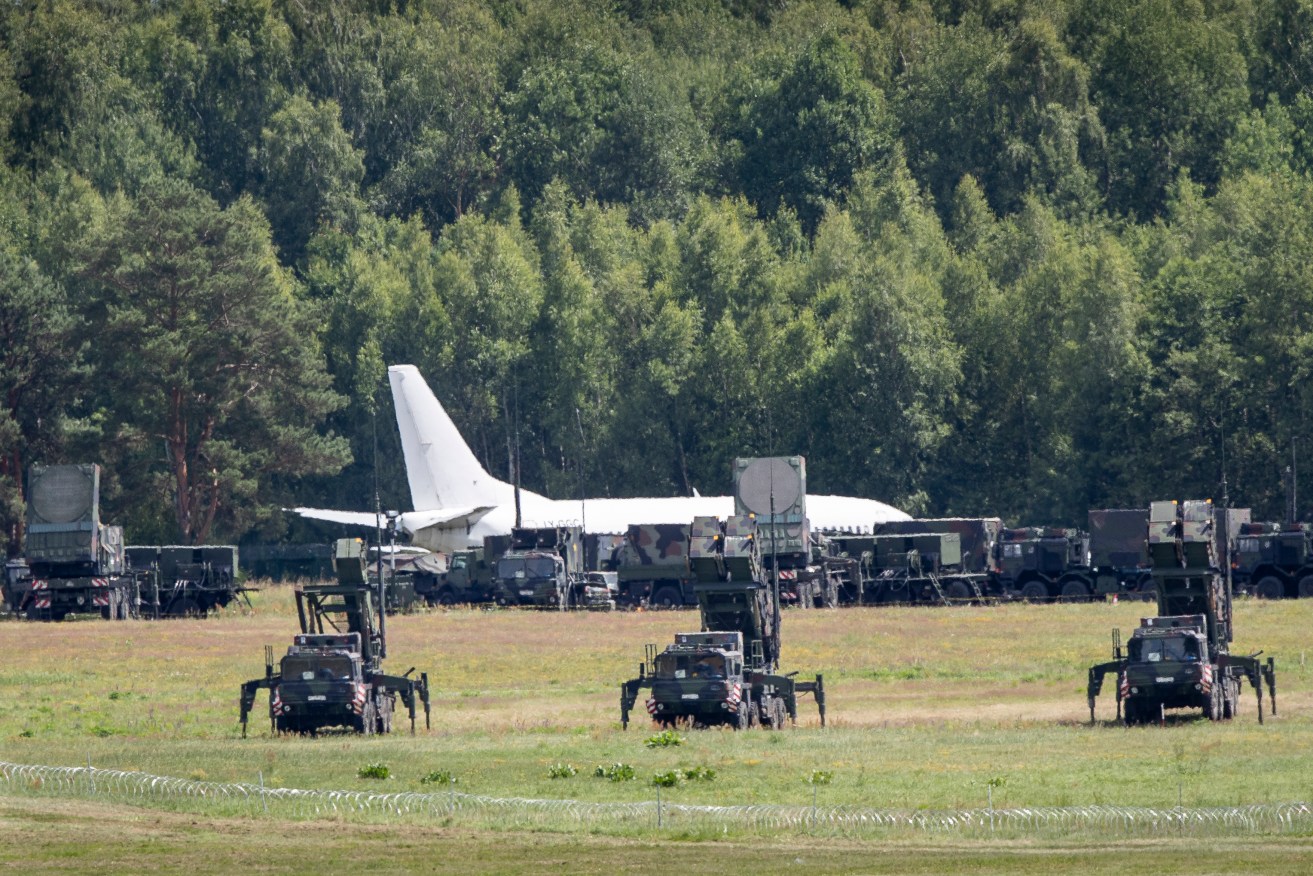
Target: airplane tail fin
(442, 470)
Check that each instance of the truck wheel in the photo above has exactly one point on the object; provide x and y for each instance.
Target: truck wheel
(1230, 693)
(1306, 587)
(447, 598)
(745, 706)
(958, 591)
(777, 714)
(1132, 714)
(1034, 591)
(1148, 591)
(1269, 587)
(365, 723)
(666, 597)
(1075, 590)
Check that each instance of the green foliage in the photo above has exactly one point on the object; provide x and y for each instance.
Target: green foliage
(820, 777)
(439, 777)
(664, 739)
(561, 771)
(374, 771)
(667, 779)
(616, 772)
(699, 774)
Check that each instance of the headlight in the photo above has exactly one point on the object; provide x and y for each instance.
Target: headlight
(1135, 690)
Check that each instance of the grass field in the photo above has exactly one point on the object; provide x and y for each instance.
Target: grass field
(928, 709)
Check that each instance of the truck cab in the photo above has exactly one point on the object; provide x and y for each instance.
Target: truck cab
(1168, 667)
(699, 680)
(322, 684)
(531, 578)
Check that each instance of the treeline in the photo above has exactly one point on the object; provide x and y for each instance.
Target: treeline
(968, 257)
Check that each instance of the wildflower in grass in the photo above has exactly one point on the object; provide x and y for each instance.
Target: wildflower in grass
(616, 772)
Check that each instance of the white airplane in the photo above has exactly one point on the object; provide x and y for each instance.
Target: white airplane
(457, 502)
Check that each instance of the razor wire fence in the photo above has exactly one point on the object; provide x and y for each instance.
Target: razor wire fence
(475, 810)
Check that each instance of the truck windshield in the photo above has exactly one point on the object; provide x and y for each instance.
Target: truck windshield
(527, 567)
(316, 669)
(1177, 650)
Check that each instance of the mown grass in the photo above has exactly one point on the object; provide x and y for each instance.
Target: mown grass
(928, 708)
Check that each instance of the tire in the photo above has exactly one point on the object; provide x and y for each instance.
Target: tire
(1230, 693)
(1212, 705)
(1035, 591)
(1306, 587)
(777, 714)
(447, 598)
(958, 591)
(745, 706)
(1075, 590)
(383, 719)
(1269, 587)
(1130, 712)
(666, 598)
(1148, 591)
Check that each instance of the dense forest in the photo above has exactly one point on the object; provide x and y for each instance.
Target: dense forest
(968, 256)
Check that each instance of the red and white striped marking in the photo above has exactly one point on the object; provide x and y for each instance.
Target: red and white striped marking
(358, 700)
(735, 697)
(1206, 677)
(1125, 686)
(652, 706)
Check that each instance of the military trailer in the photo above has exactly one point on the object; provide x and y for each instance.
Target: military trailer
(652, 569)
(726, 674)
(1181, 658)
(74, 563)
(185, 580)
(331, 675)
(1275, 560)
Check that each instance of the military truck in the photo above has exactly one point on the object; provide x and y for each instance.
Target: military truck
(1042, 563)
(331, 675)
(652, 569)
(287, 562)
(74, 563)
(185, 580)
(1181, 658)
(1275, 560)
(544, 568)
(726, 674)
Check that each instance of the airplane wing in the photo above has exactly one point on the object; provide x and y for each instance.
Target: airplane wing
(354, 518)
(411, 521)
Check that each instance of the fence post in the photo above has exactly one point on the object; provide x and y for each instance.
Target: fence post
(264, 801)
(658, 787)
(91, 775)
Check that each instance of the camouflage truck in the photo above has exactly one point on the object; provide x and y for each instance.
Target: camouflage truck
(185, 580)
(1275, 560)
(1181, 658)
(652, 569)
(977, 541)
(331, 675)
(74, 563)
(726, 674)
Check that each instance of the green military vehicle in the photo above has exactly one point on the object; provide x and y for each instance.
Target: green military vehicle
(544, 568)
(1181, 658)
(332, 675)
(186, 580)
(73, 563)
(1039, 563)
(467, 579)
(727, 673)
(773, 489)
(1275, 560)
